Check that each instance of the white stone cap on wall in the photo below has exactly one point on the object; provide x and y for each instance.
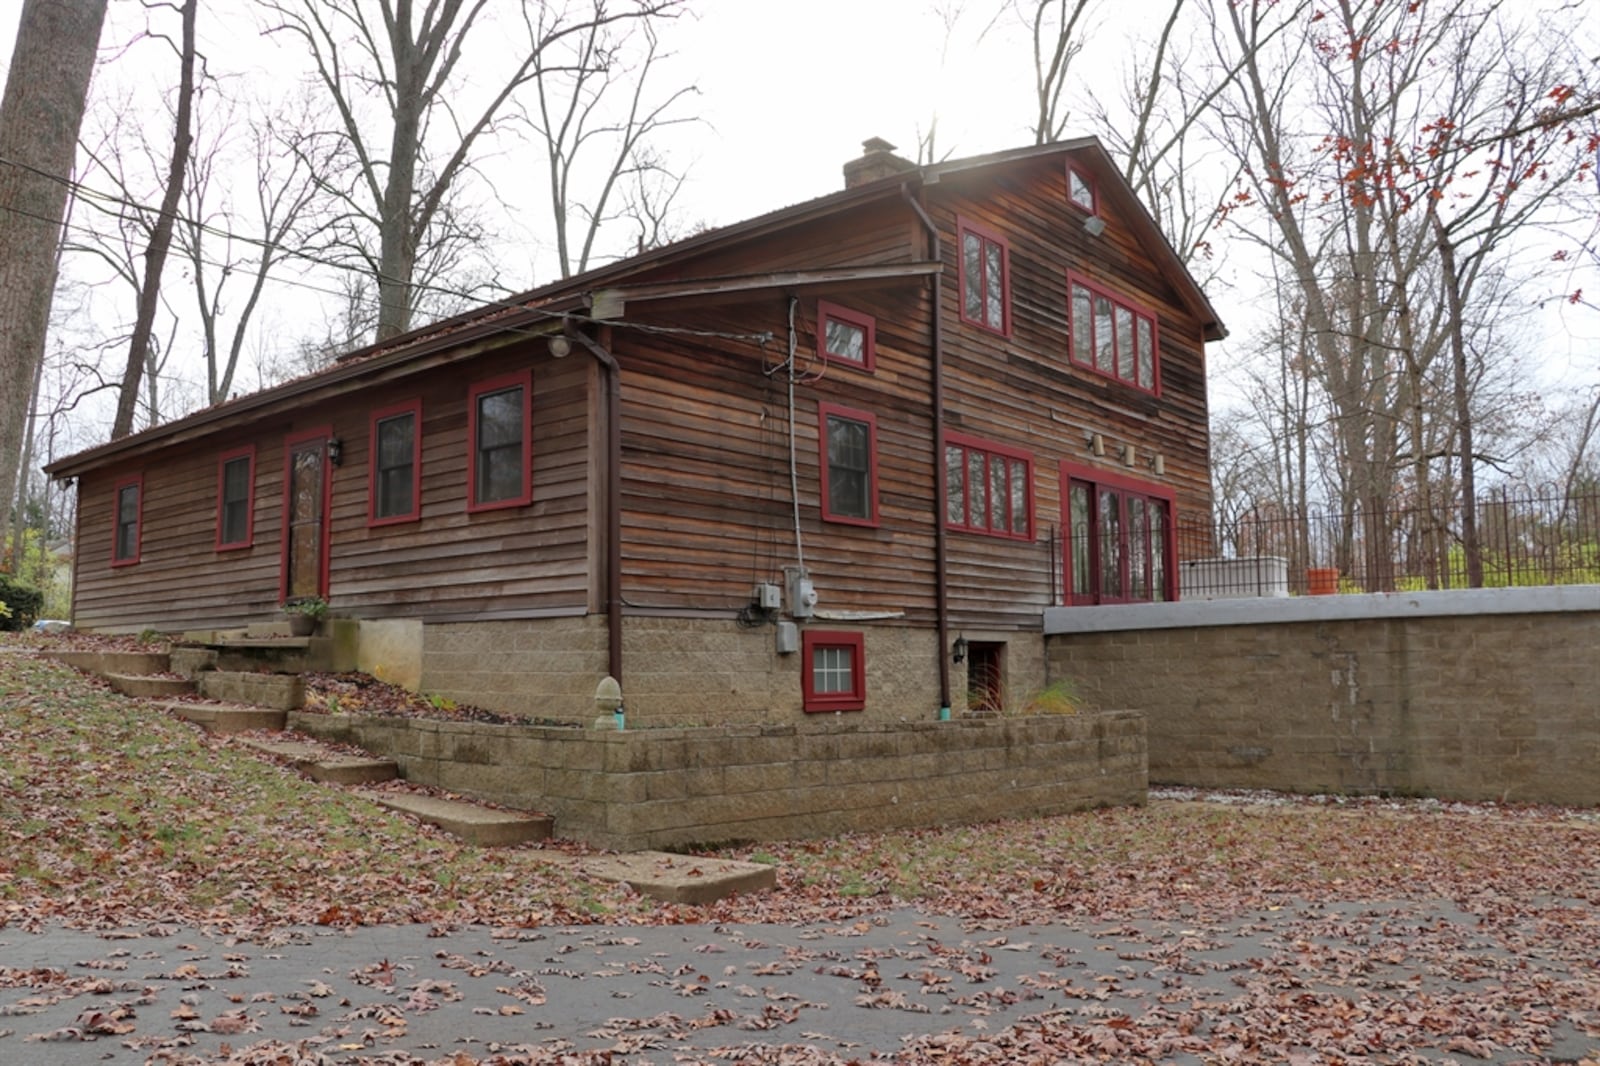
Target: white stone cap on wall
(1545, 599)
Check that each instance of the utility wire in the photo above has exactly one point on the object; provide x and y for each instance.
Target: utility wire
(98, 198)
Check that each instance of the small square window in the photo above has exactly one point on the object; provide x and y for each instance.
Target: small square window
(845, 336)
(835, 671)
(1080, 189)
(395, 476)
(235, 498)
(849, 446)
(128, 503)
(501, 459)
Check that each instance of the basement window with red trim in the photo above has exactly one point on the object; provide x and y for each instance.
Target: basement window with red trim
(834, 676)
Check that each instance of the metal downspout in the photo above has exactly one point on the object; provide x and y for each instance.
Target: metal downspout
(940, 567)
(613, 495)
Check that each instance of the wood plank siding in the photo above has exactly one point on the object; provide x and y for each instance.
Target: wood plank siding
(707, 506)
(447, 564)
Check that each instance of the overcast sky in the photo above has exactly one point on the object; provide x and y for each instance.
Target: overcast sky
(790, 89)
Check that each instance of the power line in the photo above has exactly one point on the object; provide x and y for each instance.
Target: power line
(98, 198)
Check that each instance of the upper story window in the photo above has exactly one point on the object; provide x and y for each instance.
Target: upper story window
(845, 336)
(500, 417)
(395, 490)
(849, 459)
(1112, 336)
(834, 669)
(988, 488)
(235, 498)
(1080, 189)
(128, 497)
(985, 277)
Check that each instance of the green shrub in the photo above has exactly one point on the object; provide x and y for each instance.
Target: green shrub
(25, 603)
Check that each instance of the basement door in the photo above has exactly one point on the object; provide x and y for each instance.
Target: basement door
(305, 515)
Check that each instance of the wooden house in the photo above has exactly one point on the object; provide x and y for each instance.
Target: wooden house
(837, 458)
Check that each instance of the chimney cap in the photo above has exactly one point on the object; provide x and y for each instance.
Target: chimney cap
(877, 160)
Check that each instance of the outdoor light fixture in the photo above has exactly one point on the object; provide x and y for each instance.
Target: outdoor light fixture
(958, 650)
(1094, 225)
(1158, 464)
(1095, 443)
(335, 450)
(560, 347)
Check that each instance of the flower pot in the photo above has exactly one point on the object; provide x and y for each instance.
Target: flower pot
(1322, 581)
(302, 625)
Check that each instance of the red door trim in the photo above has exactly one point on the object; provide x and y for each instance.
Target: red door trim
(321, 434)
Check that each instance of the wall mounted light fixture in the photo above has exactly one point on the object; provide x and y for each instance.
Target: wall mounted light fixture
(958, 650)
(560, 347)
(1158, 464)
(1095, 443)
(335, 451)
(1094, 225)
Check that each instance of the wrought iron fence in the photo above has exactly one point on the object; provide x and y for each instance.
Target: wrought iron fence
(1526, 537)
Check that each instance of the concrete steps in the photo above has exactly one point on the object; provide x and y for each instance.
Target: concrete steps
(475, 824)
(227, 717)
(320, 764)
(114, 662)
(146, 687)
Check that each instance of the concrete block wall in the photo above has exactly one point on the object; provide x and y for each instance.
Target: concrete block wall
(687, 672)
(1472, 697)
(653, 788)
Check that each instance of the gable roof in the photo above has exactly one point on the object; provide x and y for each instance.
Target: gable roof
(544, 308)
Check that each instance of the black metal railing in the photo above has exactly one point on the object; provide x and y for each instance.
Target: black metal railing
(1525, 537)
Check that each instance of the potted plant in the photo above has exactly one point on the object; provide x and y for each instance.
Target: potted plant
(304, 612)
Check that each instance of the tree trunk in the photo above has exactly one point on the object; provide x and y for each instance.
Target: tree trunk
(155, 256)
(1458, 351)
(39, 119)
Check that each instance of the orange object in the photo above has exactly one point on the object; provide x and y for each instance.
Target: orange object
(1322, 581)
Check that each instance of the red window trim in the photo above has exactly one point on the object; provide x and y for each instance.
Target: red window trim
(325, 549)
(412, 407)
(977, 444)
(1138, 311)
(137, 481)
(864, 322)
(963, 227)
(1096, 478)
(826, 702)
(248, 452)
(1093, 206)
(824, 412)
(524, 378)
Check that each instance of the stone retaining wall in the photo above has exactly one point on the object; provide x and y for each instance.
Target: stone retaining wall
(1489, 694)
(653, 788)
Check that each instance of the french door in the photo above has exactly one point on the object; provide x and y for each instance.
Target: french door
(1118, 539)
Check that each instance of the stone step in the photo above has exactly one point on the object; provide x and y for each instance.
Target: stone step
(680, 878)
(321, 764)
(483, 826)
(114, 662)
(144, 686)
(284, 655)
(227, 717)
(279, 692)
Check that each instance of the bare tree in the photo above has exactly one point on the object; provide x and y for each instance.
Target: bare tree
(155, 255)
(40, 113)
(390, 80)
(228, 237)
(1377, 138)
(578, 115)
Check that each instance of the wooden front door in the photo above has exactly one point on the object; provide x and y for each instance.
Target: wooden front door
(305, 513)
